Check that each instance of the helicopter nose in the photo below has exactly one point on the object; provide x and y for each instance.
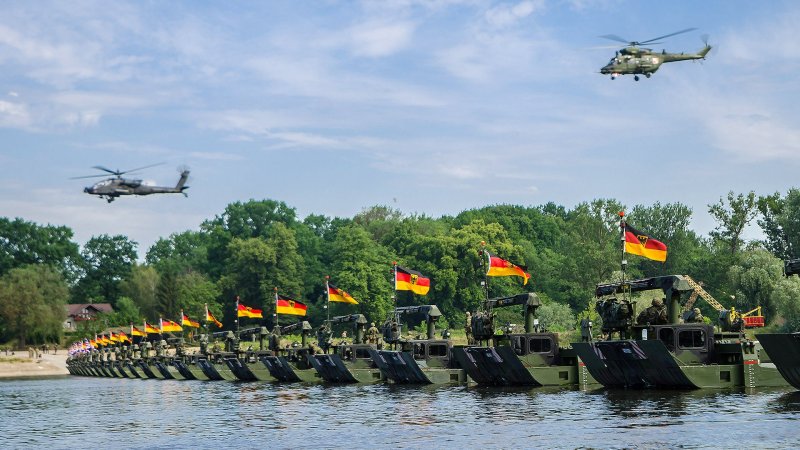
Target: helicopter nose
(87, 190)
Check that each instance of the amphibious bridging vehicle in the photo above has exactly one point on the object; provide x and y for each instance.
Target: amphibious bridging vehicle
(656, 351)
(532, 358)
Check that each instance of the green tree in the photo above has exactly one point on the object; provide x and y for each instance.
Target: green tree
(107, 261)
(780, 221)
(592, 248)
(753, 280)
(195, 291)
(732, 217)
(668, 223)
(180, 252)
(167, 295)
(23, 243)
(258, 265)
(784, 296)
(140, 286)
(32, 304)
(362, 268)
(556, 317)
(126, 313)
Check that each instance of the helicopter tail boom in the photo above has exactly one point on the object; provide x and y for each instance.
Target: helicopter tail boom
(701, 54)
(182, 181)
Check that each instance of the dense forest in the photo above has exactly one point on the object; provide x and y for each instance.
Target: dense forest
(255, 246)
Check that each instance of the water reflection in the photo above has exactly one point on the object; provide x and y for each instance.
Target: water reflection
(86, 412)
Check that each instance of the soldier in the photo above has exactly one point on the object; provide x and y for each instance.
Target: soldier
(372, 334)
(697, 317)
(324, 338)
(344, 337)
(468, 328)
(656, 314)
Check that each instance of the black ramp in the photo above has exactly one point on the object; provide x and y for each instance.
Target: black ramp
(784, 351)
(399, 367)
(183, 370)
(133, 370)
(279, 368)
(146, 369)
(240, 370)
(495, 366)
(625, 361)
(608, 375)
(164, 371)
(660, 368)
(332, 369)
(209, 370)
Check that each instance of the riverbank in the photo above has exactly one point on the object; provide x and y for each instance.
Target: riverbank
(20, 366)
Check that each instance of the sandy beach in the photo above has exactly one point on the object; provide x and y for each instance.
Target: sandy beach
(20, 366)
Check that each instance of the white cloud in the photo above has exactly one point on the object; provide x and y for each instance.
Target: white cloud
(216, 156)
(504, 15)
(14, 115)
(377, 39)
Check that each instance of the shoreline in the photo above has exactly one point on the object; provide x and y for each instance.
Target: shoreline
(20, 366)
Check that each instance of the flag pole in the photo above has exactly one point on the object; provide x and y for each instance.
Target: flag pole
(624, 262)
(394, 297)
(484, 259)
(276, 308)
(205, 323)
(237, 315)
(328, 296)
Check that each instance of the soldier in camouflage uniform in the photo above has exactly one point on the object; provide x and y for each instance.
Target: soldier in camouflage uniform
(468, 329)
(372, 334)
(656, 314)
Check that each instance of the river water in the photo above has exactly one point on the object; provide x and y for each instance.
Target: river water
(77, 412)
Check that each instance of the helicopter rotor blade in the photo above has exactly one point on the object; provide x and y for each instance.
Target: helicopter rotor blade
(140, 168)
(614, 37)
(88, 176)
(113, 172)
(650, 41)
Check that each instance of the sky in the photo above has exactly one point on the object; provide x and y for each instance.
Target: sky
(430, 107)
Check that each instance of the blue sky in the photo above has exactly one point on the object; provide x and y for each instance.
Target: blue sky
(427, 106)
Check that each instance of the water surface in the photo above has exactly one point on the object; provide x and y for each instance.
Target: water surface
(78, 412)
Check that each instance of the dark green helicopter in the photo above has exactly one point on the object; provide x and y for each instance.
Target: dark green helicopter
(116, 186)
(635, 60)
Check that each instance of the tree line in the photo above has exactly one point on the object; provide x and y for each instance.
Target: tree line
(254, 246)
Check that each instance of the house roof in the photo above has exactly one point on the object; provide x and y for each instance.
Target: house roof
(76, 309)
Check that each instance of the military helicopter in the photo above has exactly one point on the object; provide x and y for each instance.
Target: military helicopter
(635, 60)
(116, 186)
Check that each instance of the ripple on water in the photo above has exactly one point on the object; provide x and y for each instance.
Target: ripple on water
(96, 412)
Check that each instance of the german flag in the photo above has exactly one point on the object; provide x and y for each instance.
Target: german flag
(638, 243)
(111, 338)
(411, 280)
(499, 267)
(247, 311)
(210, 318)
(339, 295)
(149, 329)
(122, 337)
(168, 325)
(136, 332)
(187, 322)
(286, 305)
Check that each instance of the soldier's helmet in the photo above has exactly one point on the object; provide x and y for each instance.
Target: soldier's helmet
(372, 324)
(696, 310)
(657, 302)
